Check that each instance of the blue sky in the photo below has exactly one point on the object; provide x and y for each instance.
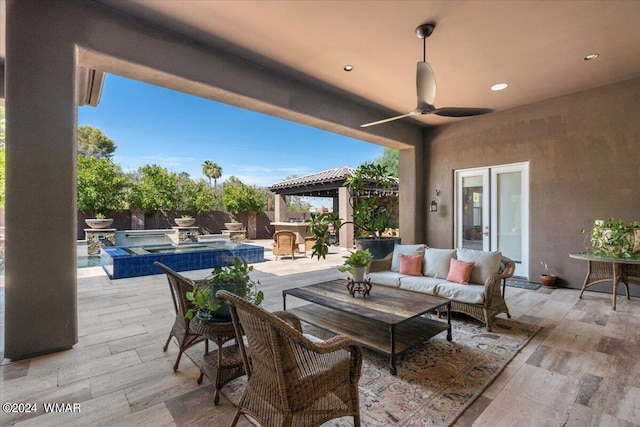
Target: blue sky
(150, 124)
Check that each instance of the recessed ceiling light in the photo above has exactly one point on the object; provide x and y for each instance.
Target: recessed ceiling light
(499, 86)
(348, 67)
(591, 56)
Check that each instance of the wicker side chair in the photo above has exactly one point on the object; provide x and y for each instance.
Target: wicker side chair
(293, 381)
(187, 338)
(285, 243)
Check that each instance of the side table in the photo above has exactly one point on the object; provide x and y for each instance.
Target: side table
(223, 364)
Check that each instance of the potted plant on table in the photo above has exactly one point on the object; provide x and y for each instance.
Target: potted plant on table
(357, 264)
(547, 279)
(615, 239)
(234, 278)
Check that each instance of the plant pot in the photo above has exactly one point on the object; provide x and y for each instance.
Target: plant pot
(358, 276)
(379, 248)
(184, 222)
(223, 313)
(233, 226)
(98, 223)
(209, 317)
(548, 281)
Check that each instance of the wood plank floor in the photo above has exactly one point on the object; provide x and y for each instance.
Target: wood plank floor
(582, 369)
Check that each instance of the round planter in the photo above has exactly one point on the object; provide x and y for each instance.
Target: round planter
(379, 248)
(98, 223)
(184, 222)
(233, 226)
(223, 313)
(548, 281)
(358, 276)
(210, 318)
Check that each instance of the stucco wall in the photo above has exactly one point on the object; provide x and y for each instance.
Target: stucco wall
(583, 151)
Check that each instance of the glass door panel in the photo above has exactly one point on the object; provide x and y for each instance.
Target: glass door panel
(473, 215)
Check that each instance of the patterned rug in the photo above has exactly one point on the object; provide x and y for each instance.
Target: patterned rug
(436, 381)
(523, 284)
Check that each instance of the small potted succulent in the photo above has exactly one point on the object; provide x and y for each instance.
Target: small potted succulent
(547, 279)
(99, 221)
(357, 264)
(185, 221)
(234, 278)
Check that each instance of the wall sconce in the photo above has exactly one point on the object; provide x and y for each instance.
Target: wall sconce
(433, 207)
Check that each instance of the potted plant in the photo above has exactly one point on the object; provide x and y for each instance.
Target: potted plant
(357, 264)
(369, 185)
(547, 280)
(615, 239)
(99, 221)
(184, 221)
(234, 278)
(233, 225)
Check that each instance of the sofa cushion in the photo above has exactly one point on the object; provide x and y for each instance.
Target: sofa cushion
(460, 271)
(487, 263)
(423, 284)
(411, 264)
(404, 250)
(387, 278)
(470, 294)
(436, 262)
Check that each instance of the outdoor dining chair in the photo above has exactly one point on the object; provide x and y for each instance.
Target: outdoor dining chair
(293, 380)
(285, 243)
(187, 338)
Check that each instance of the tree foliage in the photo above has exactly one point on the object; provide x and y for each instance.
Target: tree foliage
(196, 196)
(94, 143)
(154, 189)
(212, 170)
(100, 185)
(389, 160)
(238, 197)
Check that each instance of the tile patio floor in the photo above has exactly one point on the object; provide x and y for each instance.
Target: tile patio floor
(582, 369)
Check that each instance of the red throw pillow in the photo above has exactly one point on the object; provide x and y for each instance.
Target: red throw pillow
(460, 271)
(411, 265)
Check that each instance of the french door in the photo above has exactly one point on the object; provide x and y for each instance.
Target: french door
(492, 211)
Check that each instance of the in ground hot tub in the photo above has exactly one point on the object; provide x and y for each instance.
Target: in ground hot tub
(132, 261)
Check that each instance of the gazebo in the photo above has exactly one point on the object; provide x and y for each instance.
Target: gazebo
(330, 184)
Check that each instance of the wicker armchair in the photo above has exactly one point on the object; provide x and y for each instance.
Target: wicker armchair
(285, 243)
(187, 338)
(293, 381)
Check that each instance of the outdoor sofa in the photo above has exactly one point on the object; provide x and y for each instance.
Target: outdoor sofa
(471, 279)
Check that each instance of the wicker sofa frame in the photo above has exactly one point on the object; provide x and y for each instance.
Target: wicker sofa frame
(494, 302)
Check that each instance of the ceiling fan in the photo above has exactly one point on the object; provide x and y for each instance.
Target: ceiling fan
(426, 88)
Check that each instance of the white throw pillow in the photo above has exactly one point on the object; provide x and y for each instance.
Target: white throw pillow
(436, 262)
(486, 263)
(404, 250)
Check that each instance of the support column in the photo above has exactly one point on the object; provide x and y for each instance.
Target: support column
(411, 202)
(41, 291)
(346, 213)
(280, 214)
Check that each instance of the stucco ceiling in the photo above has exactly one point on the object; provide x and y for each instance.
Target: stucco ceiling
(537, 47)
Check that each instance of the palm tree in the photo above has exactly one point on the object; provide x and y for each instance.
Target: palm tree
(211, 170)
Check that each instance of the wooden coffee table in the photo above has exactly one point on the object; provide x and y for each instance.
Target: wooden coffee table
(387, 321)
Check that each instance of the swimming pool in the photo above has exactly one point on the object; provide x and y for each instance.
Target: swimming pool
(132, 261)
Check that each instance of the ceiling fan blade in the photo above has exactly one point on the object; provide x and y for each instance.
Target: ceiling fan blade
(461, 111)
(425, 84)
(390, 119)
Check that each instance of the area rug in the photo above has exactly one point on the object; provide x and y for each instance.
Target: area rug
(435, 382)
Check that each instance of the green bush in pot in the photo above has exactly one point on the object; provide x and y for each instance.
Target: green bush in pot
(234, 278)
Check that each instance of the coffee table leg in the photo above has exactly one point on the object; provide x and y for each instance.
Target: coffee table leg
(449, 337)
(392, 333)
(284, 301)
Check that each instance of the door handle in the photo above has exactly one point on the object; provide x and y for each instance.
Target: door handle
(486, 231)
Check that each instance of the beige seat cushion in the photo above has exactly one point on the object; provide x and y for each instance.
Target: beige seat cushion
(486, 263)
(422, 284)
(470, 294)
(387, 278)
